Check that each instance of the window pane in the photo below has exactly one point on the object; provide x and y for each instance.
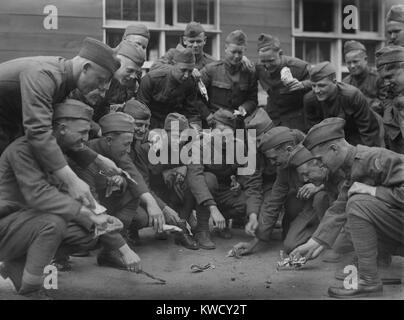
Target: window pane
(313, 51)
(299, 49)
(184, 11)
(297, 13)
(130, 10)
(324, 53)
(201, 11)
(318, 15)
(368, 15)
(113, 9)
(147, 10)
(152, 48)
(114, 37)
(344, 15)
(212, 12)
(173, 38)
(169, 12)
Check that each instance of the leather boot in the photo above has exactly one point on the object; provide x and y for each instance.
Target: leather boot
(204, 241)
(62, 263)
(184, 238)
(111, 258)
(365, 289)
(13, 271)
(225, 233)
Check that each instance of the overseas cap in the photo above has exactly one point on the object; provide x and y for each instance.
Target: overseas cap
(116, 122)
(352, 45)
(396, 13)
(327, 130)
(181, 119)
(237, 37)
(137, 29)
(137, 109)
(73, 109)
(321, 70)
(132, 51)
(275, 137)
(299, 156)
(193, 29)
(389, 54)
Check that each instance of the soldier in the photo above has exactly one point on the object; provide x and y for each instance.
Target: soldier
(361, 75)
(37, 216)
(138, 34)
(230, 84)
(370, 200)
(171, 89)
(28, 89)
(330, 98)
(285, 94)
(304, 204)
(389, 61)
(395, 25)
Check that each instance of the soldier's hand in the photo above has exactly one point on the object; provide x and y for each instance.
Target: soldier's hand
(361, 188)
(130, 258)
(217, 218)
(80, 191)
(251, 225)
(247, 63)
(295, 85)
(245, 248)
(307, 191)
(101, 220)
(107, 166)
(196, 74)
(171, 216)
(156, 217)
(310, 250)
(117, 180)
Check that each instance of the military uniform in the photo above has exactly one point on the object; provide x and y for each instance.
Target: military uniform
(284, 107)
(367, 83)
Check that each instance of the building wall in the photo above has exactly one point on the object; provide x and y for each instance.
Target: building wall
(255, 17)
(22, 32)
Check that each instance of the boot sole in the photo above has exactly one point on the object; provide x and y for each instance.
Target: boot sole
(187, 247)
(361, 295)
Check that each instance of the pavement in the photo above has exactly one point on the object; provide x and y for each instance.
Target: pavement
(250, 277)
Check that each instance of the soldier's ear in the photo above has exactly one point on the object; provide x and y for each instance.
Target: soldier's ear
(85, 66)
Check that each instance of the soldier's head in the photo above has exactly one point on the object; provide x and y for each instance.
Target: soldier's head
(326, 140)
(277, 144)
(309, 168)
(395, 25)
(194, 37)
(132, 58)
(356, 58)
(224, 120)
(323, 80)
(94, 66)
(259, 121)
(138, 34)
(390, 65)
(235, 47)
(141, 115)
(184, 64)
(117, 129)
(269, 51)
(71, 124)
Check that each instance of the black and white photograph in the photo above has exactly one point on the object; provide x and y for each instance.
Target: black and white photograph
(201, 154)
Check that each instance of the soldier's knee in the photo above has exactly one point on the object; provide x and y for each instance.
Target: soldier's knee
(141, 218)
(357, 203)
(54, 225)
(211, 182)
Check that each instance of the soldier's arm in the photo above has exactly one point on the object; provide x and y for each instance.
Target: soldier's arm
(268, 217)
(251, 102)
(125, 163)
(311, 109)
(304, 78)
(145, 93)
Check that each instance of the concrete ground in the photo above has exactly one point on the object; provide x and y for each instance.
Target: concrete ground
(244, 278)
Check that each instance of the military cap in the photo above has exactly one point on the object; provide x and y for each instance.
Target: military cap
(352, 45)
(275, 137)
(321, 70)
(389, 54)
(132, 51)
(226, 117)
(99, 53)
(299, 155)
(174, 116)
(74, 109)
(184, 58)
(137, 109)
(260, 121)
(137, 29)
(268, 41)
(193, 29)
(327, 130)
(117, 122)
(396, 13)
(237, 37)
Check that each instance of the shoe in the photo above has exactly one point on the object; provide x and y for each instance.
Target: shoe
(12, 271)
(204, 241)
(112, 259)
(364, 290)
(62, 264)
(161, 235)
(184, 238)
(225, 233)
(339, 273)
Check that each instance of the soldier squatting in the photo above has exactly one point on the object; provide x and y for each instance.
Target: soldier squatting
(76, 135)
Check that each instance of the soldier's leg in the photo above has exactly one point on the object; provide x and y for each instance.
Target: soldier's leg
(28, 243)
(293, 206)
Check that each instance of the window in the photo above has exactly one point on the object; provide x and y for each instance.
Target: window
(318, 37)
(166, 21)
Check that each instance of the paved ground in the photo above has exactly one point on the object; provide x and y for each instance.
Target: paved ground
(243, 278)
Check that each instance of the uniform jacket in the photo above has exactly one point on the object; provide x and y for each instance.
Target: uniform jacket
(367, 83)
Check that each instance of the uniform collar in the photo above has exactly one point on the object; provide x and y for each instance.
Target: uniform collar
(231, 68)
(362, 76)
(71, 83)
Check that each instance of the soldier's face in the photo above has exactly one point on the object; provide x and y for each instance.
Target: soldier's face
(356, 61)
(397, 80)
(312, 172)
(94, 77)
(330, 155)
(395, 33)
(279, 156)
(234, 53)
(141, 128)
(141, 41)
(386, 73)
(181, 73)
(271, 59)
(324, 88)
(72, 134)
(119, 144)
(128, 71)
(195, 43)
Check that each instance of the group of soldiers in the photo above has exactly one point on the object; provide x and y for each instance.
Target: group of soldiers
(76, 137)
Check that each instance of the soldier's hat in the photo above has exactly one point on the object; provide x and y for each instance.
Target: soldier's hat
(260, 121)
(117, 122)
(327, 130)
(99, 53)
(389, 54)
(176, 117)
(275, 137)
(396, 13)
(184, 58)
(300, 155)
(352, 45)
(321, 70)
(193, 29)
(268, 41)
(73, 109)
(237, 37)
(137, 109)
(132, 51)
(137, 29)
